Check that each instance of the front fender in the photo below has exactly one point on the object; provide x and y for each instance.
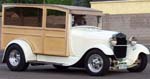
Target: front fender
(82, 52)
(29, 56)
(134, 51)
(105, 49)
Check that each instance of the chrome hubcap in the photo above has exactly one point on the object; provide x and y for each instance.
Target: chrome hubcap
(14, 57)
(95, 63)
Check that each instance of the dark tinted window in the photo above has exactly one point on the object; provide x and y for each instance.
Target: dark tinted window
(23, 16)
(55, 19)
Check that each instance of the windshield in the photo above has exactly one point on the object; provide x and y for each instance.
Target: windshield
(86, 20)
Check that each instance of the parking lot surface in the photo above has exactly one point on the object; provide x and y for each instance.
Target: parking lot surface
(49, 72)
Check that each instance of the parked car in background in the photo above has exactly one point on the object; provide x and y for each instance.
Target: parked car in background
(66, 36)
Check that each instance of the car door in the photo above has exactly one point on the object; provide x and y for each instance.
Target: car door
(55, 42)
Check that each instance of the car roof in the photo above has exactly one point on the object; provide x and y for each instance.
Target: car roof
(72, 9)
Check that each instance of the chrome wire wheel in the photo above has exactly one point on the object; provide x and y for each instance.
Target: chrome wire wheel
(14, 57)
(95, 63)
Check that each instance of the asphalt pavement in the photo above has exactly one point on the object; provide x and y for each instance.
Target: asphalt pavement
(49, 72)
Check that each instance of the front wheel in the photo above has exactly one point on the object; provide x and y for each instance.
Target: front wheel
(15, 58)
(141, 64)
(96, 63)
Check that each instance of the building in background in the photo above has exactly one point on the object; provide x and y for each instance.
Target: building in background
(128, 16)
(122, 6)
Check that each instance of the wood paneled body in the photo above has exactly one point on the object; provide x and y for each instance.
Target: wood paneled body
(46, 34)
(31, 35)
(42, 39)
(55, 42)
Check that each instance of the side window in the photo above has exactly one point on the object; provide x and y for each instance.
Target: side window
(55, 19)
(23, 16)
(90, 20)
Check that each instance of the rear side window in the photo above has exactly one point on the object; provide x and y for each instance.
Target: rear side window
(23, 16)
(55, 19)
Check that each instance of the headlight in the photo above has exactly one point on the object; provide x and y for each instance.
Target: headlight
(132, 40)
(113, 41)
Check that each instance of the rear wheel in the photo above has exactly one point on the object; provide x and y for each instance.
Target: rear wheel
(15, 58)
(141, 64)
(96, 63)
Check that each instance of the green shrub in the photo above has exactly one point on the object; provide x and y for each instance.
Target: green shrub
(24, 1)
(65, 2)
(0, 5)
(85, 3)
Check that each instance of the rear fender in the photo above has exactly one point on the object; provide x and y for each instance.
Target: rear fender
(29, 56)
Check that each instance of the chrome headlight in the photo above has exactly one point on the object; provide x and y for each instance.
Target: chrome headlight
(132, 40)
(113, 41)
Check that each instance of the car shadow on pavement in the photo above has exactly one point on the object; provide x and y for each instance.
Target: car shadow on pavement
(52, 70)
(1, 55)
(70, 71)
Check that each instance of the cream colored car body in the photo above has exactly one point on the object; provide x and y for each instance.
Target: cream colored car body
(80, 39)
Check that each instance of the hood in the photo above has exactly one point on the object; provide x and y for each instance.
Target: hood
(91, 32)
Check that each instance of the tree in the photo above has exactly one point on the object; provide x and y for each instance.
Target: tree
(0, 6)
(23, 1)
(85, 3)
(1, 1)
(65, 2)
